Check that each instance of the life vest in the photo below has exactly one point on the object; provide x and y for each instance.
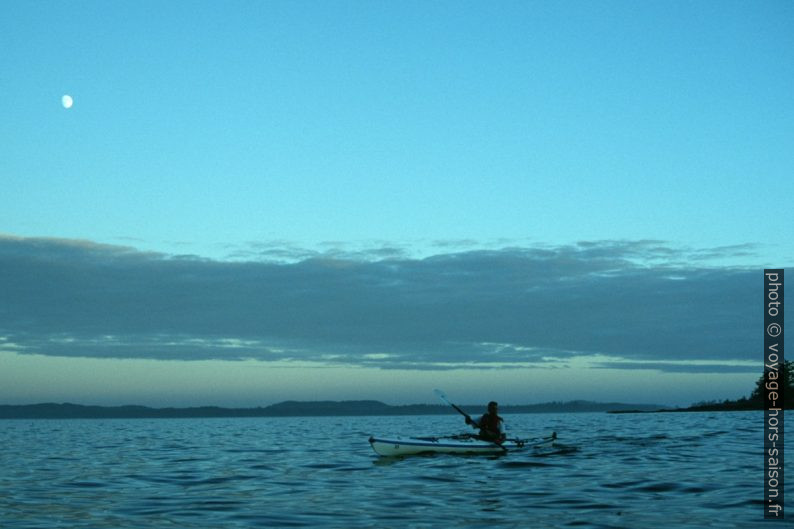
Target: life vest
(490, 423)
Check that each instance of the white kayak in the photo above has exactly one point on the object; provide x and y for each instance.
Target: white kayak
(461, 444)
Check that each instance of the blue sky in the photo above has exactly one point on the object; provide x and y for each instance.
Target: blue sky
(393, 191)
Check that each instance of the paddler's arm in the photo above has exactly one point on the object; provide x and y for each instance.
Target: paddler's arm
(472, 422)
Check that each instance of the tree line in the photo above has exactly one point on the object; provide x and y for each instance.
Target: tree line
(755, 401)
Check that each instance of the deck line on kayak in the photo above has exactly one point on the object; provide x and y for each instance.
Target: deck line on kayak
(435, 444)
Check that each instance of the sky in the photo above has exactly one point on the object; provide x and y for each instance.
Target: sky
(249, 202)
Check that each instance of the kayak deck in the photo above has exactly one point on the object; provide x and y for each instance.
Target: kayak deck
(463, 444)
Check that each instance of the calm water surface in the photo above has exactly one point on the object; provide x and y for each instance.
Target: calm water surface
(629, 471)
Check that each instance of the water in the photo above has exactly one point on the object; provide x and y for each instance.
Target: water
(631, 471)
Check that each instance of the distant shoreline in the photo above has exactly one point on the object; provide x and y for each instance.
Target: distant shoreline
(300, 409)
(690, 409)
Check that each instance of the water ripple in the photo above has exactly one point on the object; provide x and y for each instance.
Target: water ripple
(607, 470)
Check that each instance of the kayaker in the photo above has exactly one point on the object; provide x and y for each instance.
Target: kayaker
(490, 424)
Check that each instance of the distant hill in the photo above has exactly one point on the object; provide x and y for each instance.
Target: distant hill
(295, 409)
(743, 404)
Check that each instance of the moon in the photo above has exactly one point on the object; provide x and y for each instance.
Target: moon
(67, 101)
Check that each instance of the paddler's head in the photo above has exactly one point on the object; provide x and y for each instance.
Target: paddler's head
(493, 407)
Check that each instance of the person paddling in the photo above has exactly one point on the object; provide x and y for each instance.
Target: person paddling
(490, 424)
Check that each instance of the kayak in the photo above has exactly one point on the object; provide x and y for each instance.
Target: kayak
(462, 444)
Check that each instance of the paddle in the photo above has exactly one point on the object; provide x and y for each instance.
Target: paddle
(440, 395)
(469, 420)
(535, 442)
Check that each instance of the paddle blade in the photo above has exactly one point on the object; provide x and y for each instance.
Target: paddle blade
(440, 395)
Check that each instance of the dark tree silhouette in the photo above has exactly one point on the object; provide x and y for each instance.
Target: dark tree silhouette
(784, 381)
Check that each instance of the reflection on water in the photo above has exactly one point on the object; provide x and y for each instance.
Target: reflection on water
(632, 471)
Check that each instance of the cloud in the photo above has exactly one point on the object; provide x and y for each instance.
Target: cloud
(281, 251)
(681, 367)
(636, 300)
